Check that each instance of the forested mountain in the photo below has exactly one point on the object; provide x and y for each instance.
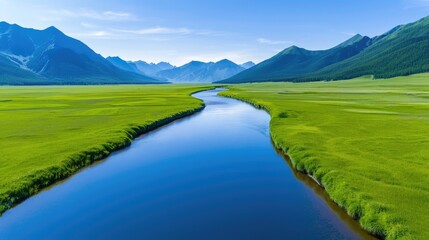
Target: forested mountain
(400, 51)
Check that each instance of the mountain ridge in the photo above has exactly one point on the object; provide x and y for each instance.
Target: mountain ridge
(193, 71)
(197, 71)
(49, 56)
(397, 52)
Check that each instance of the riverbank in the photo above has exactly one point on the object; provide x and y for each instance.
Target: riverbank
(361, 139)
(52, 132)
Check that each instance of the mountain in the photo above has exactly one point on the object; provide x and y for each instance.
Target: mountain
(151, 69)
(247, 65)
(293, 62)
(400, 51)
(193, 71)
(140, 67)
(29, 56)
(196, 71)
(126, 66)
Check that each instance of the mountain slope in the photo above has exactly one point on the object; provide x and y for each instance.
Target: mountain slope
(12, 74)
(196, 71)
(400, 51)
(247, 65)
(50, 57)
(151, 69)
(294, 61)
(121, 64)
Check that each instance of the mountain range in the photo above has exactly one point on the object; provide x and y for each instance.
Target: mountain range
(37, 57)
(247, 65)
(192, 72)
(140, 67)
(196, 71)
(401, 51)
(34, 57)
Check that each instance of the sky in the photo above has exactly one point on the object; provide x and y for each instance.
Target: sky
(178, 31)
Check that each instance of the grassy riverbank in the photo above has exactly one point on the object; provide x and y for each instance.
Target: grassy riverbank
(365, 140)
(48, 133)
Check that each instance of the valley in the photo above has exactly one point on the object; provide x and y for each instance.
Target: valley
(214, 120)
(364, 140)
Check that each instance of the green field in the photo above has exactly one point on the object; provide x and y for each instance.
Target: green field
(48, 133)
(366, 141)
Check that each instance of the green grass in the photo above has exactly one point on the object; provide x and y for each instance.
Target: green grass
(48, 133)
(365, 140)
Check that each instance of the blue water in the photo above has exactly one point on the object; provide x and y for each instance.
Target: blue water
(214, 175)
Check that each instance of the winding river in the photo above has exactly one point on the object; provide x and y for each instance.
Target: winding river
(214, 175)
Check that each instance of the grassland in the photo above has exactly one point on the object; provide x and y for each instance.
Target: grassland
(365, 140)
(48, 133)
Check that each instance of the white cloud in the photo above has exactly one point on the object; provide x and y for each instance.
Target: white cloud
(99, 34)
(111, 14)
(94, 34)
(89, 25)
(158, 31)
(170, 31)
(271, 42)
(91, 14)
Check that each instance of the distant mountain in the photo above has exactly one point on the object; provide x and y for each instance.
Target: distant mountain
(29, 56)
(401, 51)
(151, 69)
(247, 65)
(140, 67)
(126, 66)
(193, 71)
(196, 71)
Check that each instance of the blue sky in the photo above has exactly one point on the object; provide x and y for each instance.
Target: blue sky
(210, 30)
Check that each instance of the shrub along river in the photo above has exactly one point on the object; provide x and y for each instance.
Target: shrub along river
(214, 175)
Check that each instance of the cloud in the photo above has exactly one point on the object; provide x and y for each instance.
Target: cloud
(170, 31)
(271, 42)
(116, 15)
(99, 34)
(95, 34)
(151, 34)
(95, 15)
(158, 31)
(89, 25)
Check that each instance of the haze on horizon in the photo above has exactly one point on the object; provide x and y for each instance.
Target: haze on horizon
(181, 31)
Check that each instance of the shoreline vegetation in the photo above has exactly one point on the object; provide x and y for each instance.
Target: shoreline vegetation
(42, 174)
(356, 139)
(320, 191)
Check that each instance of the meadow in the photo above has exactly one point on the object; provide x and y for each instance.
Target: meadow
(366, 141)
(48, 133)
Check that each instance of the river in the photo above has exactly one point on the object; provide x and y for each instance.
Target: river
(214, 175)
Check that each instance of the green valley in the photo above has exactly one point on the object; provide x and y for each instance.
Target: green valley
(365, 140)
